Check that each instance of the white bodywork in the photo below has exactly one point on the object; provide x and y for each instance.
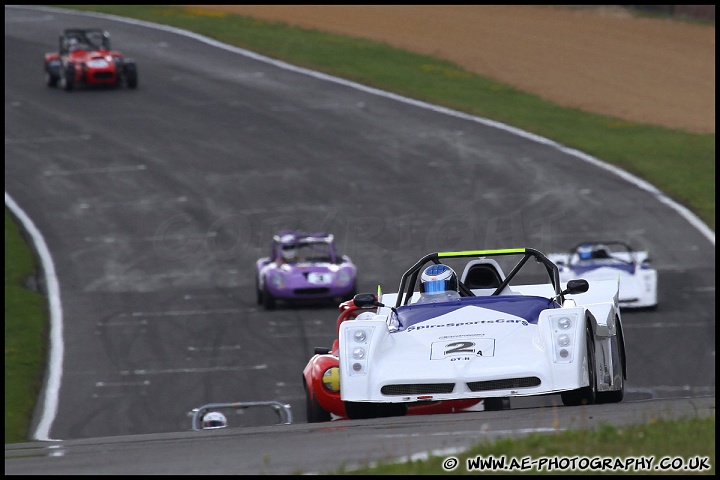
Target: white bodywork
(638, 282)
(470, 349)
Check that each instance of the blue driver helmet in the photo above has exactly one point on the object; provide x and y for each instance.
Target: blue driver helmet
(438, 279)
(585, 252)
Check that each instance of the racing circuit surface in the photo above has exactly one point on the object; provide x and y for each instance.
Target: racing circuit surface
(155, 204)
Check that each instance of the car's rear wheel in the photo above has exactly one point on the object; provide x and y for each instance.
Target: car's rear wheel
(585, 395)
(315, 413)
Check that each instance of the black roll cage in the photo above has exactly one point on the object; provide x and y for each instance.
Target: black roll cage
(409, 278)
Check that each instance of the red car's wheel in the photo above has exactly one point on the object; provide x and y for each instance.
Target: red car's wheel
(67, 78)
(315, 413)
(130, 74)
(50, 79)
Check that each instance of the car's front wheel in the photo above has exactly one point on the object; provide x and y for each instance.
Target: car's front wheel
(67, 78)
(50, 79)
(315, 413)
(584, 395)
(268, 300)
(258, 291)
(131, 75)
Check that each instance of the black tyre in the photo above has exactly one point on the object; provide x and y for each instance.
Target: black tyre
(131, 75)
(585, 395)
(496, 404)
(616, 396)
(258, 291)
(51, 79)
(67, 78)
(315, 413)
(268, 300)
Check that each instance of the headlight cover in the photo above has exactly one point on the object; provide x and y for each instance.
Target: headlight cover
(277, 280)
(563, 337)
(98, 63)
(331, 379)
(357, 341)
(343, 277)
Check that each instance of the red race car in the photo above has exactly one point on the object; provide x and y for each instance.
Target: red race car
(85, 58)
(321, 379)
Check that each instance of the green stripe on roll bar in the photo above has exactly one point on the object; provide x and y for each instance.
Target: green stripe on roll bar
(475, 253)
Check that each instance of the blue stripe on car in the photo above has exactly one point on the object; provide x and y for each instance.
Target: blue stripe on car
(523, 306)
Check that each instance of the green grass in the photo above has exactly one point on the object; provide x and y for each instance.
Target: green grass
(679, 163)
(26, 326)
(685, 438)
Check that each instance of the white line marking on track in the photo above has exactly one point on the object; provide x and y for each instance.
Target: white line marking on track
(130, 168)
(122, 384)
(142, 371)
(178, 313)
(669, 325)
(213, 349)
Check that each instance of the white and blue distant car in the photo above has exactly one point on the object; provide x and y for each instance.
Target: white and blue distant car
(514, 334)
(612, 260)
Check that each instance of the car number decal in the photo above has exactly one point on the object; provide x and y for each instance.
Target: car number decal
(316, 278)
(483, 347)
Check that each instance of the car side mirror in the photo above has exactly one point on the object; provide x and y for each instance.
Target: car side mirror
(363, 300)
(576, 286)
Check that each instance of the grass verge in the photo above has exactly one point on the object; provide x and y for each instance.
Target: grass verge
(26, 328)
(688, 445)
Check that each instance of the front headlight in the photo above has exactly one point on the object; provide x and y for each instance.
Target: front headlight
(356, 349)
(98, 63)
(648, 283)
(563, 336)
(277, 280)
(331, 379)
(343, 277)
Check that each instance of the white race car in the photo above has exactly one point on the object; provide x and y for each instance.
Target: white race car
(504, 335)
(612, 260)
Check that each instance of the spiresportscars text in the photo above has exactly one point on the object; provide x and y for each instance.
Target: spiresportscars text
(581, 463)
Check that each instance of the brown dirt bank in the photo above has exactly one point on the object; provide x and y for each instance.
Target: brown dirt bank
(601, 60)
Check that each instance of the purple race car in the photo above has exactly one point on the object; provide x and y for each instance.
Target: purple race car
(304, 266)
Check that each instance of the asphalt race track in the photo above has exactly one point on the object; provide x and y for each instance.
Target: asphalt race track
(155, 203)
